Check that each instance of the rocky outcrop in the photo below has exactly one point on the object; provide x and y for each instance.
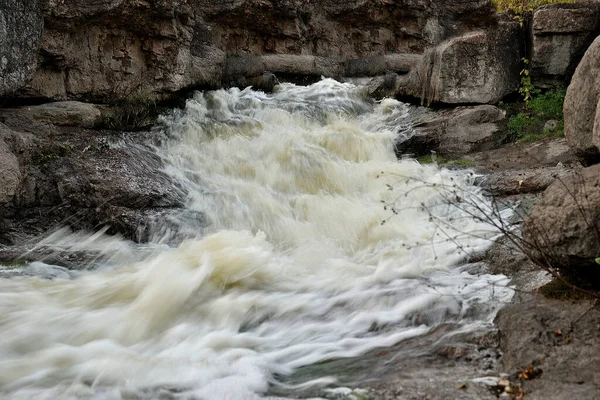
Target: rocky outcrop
(515, 182)
(582, 124)
(452, 52)
(520, 168)
(561, 33)
(54, 176)
(563, 229)
(111, 50)
(559, 337)
(477, 67)
(21, 25)
(10, 178)
(455, 132)
(115, 49)
(64, 113)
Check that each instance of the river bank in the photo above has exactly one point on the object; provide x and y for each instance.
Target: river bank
(445, 366)
(259, 241)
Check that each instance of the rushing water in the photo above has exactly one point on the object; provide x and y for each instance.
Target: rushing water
(320, 245)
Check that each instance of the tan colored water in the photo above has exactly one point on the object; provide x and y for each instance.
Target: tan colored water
(294, 268)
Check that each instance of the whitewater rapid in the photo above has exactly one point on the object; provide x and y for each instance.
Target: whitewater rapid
(320, 245)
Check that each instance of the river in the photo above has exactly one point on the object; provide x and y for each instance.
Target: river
(319, 245)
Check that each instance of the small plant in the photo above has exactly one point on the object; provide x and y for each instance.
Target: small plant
(522, 10)
(526, 88)
(520, 124)
(495, 216)
(549, 105)
(528, 125)
(521, 7)
(445, 162)
(131, 114)
(553, 133)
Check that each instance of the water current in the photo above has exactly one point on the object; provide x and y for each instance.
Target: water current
(319, 245)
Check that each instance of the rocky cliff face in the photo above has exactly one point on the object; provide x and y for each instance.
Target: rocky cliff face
(21, 26)
(561, 33)
(114, 48)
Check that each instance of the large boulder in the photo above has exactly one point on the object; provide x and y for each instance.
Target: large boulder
(455, 132)
(582, 124)
(64, 113)
(480, 66)
(563, 229)
(21, 26)
(561, 34)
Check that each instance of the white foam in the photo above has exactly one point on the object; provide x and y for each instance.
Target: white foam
(297, 266)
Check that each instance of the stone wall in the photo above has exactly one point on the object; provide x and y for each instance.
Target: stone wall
(453, 52)
(111, 49)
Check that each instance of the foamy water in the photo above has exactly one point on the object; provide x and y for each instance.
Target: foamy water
(320, 245)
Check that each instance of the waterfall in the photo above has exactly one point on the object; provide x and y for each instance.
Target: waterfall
(320, 245)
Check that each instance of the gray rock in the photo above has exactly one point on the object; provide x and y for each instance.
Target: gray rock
(381, 64)
(21, 26)
(65, 113)
(550, 125)
(522, 181)
(582, 127)
(570, 361)
(266, 82)
(10, 175)
(301, 65)
(456, 132)
(477, 67)
(383, 86)
(561, 34)
(56, 176)
(127, 177)
(109, 50)
(471, 129)
(527, 155)
(563, 228)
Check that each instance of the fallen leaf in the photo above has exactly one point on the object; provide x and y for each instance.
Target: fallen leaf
(558, 332)
(503, 382)
(530, 373)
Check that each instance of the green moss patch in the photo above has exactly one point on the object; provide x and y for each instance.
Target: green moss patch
(528, 120)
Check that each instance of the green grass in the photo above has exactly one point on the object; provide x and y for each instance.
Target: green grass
(131, 114)
(519, 7)
(520, 123)
(527, 125)
(549, 105)
(445, 162)
(555, 133)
